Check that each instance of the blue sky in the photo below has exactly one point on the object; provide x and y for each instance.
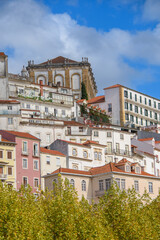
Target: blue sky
(121, 38)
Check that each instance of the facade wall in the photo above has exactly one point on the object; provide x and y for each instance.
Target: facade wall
(49, 168)
(28, 172)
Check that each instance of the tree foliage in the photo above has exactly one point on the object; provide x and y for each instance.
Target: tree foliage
(59, 214)
(84, 94)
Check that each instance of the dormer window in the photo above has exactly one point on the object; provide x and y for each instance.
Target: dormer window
(137, 170)
(128, 168)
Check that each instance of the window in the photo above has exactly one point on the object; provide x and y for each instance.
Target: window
(126, 105)
(10, 121)
(121, 136)
(145, 101)
(9, 107)
(150, 114)
(130, 107)
(55, 112)
(99, 155)
(28, 106)
(48, 138)
(140, 99)
(1, 154)
(130, 95)
(110, 107)
(72, 182)
(117, 148)
(48, 160)
(35, 165)
(144, 162)
(126, 93)
(109, 134)
(126, 149)
(36, 182)
(141, 111)
(63, 113)
(9, 170)
(154, 104)
(128, 168)
(118, 182)
(80, 129)
(141, 121)
(150, 186)
(136, 185)
(1, 170)
(126, 116)
(136, 120)
(155, 116)
(58, 161)
(35, 149)
(146, 122)
(131, 118)
(83, 185)
(136, 97)
(24, 147)
(74, 152)
(158, 105)
(101, 187)
(146, 112)
(96, 133)
(137, 170)
(85, 154)
(123, 184)
(109, 147)
(25, 163)
(149, 102)
(95, 155)
(9, 155)
(108, 183)
(136, 109)
(46, 109)
(25, 181)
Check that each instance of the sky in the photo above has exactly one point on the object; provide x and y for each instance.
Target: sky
(121, 38)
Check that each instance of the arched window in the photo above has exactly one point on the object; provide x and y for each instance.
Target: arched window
(72, 182)
(83, 185)
(75, 82)
(59, 80)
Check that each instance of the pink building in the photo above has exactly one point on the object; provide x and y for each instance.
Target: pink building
(27, 158)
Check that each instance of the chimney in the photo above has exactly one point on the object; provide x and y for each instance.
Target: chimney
(41, 87)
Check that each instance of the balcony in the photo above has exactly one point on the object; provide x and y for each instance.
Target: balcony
(26, 153)
(35, 154)
(9, 112)
(71, 132)
(119, 152)
(99, 193)
(3, 176)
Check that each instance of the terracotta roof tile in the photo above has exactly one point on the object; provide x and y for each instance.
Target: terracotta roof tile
(97, 99)
(9, 102)
(74, 171)
(74, 143)
(60, 59)
(52, 152)
(145, 139)
(22, 134)
(114, 86)
(2, 54)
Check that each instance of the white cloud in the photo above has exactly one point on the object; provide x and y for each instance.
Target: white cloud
(33, 32)
(151, 10)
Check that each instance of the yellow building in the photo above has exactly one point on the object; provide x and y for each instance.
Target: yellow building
(7, 162)
(64, 72)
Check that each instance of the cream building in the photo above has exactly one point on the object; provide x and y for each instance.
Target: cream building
(50, 161)
(128, 107)
(94, 183)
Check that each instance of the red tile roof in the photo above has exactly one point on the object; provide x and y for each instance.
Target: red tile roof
(9, 102)
(113, 86)
(145, 139)
(21, 134)
(74, 143)
(81, 100)
(88, 142)
(2, 54)
(97, 99)
(110, 167)
(60, 59)
(52, 152)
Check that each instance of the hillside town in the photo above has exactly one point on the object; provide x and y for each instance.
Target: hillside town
(52, 122)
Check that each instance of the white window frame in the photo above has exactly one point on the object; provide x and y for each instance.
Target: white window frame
(34, 182)
(23, 162)
(35, 160)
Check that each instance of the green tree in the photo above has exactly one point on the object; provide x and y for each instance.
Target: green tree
(84, 94)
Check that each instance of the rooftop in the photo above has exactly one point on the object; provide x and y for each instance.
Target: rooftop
(52, 152)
